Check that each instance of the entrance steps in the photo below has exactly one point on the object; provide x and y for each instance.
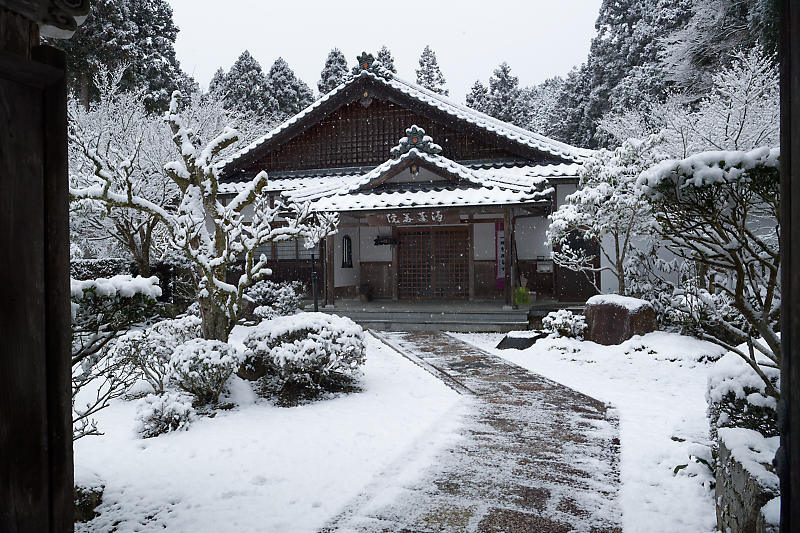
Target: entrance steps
(478, 321)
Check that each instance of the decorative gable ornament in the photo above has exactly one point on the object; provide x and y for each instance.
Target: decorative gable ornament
(416, 138)
(367, 63)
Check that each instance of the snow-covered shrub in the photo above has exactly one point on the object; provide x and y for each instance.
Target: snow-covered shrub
(159, 414)
(201, 367)
(563, 323)
(103, 309)
(737, 396)
(84, 269)
(276, 299)
(151, 349)
(308, 349)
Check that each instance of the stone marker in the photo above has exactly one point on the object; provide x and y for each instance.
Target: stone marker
(613, 319)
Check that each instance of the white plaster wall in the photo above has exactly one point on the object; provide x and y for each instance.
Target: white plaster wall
(368, 250)
(530, 237)
(424, 176)
(346, 277)
(562, 191)
(608, 281)
(484, 242)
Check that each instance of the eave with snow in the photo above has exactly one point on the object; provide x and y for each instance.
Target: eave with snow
(425, 217)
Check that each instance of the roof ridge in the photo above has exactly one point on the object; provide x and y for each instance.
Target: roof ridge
(462, 112)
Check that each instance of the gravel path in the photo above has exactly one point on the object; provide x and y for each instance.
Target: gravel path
(532, 456)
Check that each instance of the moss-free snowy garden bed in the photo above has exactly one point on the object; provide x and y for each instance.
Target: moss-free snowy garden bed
(657, 383)
(264, 468)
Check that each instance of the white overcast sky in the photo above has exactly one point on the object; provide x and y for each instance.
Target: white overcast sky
(538, 38)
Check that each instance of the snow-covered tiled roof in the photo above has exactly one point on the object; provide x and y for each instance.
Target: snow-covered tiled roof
(442, 103)
(458, 197)
(471, 186)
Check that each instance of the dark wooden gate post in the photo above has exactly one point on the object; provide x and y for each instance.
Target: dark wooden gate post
(35, 390)
(789, 412)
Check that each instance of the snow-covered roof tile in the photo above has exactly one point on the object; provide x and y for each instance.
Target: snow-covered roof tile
(459, 111)
(481, 196)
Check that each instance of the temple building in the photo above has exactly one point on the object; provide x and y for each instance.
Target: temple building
(436, 201)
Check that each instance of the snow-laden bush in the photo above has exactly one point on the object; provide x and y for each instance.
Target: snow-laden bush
(274, 299)
(308, 349)
(563, 323)
(201, 367)
(159, 414)
(103, 309)
(737, 396)
(151, 349)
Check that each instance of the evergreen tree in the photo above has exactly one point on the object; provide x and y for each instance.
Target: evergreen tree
(217, 84)
(503, 93)
(478, 97)
(290, 94)
(246, 90)
(386, 59)
(538, 109)
(428, 74)
(334, 71)
(698, 49)
(137, 33)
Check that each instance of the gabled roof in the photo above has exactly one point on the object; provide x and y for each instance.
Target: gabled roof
(386, 80)
(466, 186)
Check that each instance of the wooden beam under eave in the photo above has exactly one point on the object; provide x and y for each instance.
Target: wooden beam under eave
(471, 252)
(394, 270)
(329, 281)
(507, 240)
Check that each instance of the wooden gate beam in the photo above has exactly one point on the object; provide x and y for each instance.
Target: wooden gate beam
(788, 458)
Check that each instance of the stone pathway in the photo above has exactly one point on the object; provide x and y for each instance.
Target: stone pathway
(533, 457)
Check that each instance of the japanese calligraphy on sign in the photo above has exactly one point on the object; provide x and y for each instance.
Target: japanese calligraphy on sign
(416, 217)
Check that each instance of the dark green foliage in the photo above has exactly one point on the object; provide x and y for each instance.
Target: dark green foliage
(290, 95)
(737, 412)
(429, 75)
(386, 59)
(478, 97)
(333, 73)
(627, 45)
(138, 33)
(503, 93)
(245, 89)
(99, 319)
(84, 269)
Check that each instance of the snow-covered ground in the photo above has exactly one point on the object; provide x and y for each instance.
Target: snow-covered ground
(657, 383)
(263, 468)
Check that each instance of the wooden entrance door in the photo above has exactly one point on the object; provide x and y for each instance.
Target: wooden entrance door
(433, 263)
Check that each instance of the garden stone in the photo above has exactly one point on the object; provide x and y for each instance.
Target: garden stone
(520, 340)
(613, 319)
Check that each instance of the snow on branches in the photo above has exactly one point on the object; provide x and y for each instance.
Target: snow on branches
(721, 210)
(213, 233)
(607, 209)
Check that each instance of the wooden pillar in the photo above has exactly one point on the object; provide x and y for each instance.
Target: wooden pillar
(507, 240)
(36, 471)
(788, 458)
(471, 258)
(394, 265)
(330, 284)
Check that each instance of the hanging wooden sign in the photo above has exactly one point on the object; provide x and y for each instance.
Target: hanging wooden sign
(428, 217)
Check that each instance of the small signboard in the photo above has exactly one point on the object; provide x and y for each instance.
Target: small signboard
(427, 217)
(500, 255)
